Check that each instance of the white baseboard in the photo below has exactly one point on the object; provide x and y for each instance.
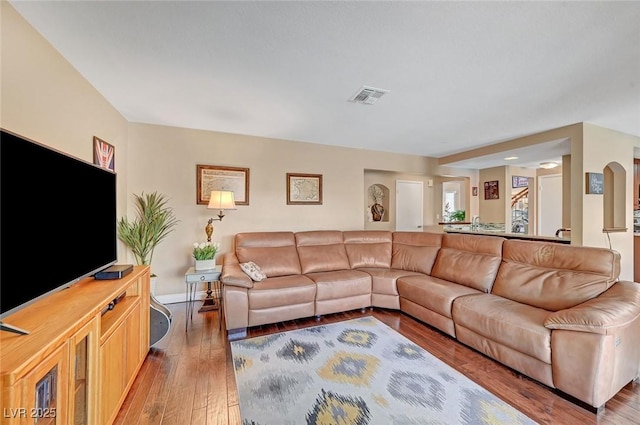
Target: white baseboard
(179, 298)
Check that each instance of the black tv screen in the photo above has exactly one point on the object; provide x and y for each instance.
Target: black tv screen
(57, 221)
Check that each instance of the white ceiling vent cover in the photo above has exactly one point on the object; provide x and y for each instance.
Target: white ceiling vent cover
(367, 95)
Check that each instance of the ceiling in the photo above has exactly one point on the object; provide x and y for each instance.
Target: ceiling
(459, 75)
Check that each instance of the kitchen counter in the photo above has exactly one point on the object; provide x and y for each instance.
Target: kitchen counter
(520, 236)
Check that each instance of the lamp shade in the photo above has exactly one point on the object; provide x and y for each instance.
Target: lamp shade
(221, 200)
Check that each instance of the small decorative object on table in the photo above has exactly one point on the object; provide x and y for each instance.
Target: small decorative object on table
(205, 255)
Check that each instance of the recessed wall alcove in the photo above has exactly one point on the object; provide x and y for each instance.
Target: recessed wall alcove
(377, 203)
(614, 198)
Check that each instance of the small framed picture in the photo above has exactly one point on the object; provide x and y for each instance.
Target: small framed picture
(474, 191)
(491, 190)
(104, 154)
(216, 177)
(595, 183)
(304, 189)
(519, 181)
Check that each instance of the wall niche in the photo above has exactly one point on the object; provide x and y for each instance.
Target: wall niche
(378, 203)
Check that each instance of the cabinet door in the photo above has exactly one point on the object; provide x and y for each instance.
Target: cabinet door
(133, 352)
(112, 383)
(83, 377)
(45, 390)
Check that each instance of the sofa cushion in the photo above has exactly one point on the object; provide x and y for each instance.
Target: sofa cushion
(321, 251)
(274, 252)
(509, 323)
(415, 251)
(340, 284)
(281, 291)
(368, 248)
(470, 260)
(384, 281)
(554, 276)
(432, 293)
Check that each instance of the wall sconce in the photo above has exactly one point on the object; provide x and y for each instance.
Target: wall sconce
(219, 200)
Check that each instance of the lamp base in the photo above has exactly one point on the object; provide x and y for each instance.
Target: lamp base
(208, 305)
(209, 229)
(209, 302)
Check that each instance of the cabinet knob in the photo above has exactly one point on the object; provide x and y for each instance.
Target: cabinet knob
(202, 278)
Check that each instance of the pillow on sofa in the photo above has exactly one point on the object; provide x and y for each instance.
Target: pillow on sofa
(253, 271)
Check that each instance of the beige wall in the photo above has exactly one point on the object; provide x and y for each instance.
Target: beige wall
(494, 210)
(165, 158)
(47, 100)
(388, 179)
(599, 147)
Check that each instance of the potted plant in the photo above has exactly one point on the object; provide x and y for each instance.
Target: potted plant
(205, 254)
(457, 215)
(154, 221)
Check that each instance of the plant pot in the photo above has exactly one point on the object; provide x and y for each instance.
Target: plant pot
(205, 264)
(154, 284)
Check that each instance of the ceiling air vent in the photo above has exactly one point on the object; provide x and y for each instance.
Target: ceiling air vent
(367, 95)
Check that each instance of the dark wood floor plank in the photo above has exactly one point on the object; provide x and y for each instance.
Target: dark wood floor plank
(188, 377)
(132, 406)
(141, 389)
(217, 407)
(156, 402)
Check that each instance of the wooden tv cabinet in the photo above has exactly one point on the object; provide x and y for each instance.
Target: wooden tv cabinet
(81, 355)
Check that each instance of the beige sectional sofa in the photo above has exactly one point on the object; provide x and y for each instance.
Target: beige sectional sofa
(556, 313)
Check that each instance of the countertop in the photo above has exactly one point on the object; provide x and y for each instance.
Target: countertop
(513, 235)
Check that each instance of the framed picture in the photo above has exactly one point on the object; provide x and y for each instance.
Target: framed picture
(595, 184)
(304, 189)
(491, 190)
(474, 191)
(215, 177)
(104, 154)
(519, 181)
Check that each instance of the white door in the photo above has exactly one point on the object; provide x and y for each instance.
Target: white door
(409, 205)
(549, 204)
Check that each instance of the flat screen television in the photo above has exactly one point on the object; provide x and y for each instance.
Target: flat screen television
(57, 221)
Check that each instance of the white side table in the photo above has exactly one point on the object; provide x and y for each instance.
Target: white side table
(211, 276)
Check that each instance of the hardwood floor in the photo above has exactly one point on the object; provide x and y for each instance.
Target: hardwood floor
(188, 377)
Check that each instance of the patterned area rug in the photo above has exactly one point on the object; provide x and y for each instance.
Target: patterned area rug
(356, 372)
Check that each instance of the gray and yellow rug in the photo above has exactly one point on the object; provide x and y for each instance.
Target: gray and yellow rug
(356, 372)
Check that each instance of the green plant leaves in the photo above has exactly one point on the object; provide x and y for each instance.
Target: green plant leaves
(154, 221)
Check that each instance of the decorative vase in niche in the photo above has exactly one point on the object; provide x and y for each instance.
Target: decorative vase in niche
(205, 264)
(377, 211)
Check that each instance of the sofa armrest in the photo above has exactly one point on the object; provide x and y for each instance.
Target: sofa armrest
(232, 274)
(616, 307)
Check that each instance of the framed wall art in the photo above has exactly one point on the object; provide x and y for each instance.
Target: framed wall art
(491, 190)
(519, 181)
(104, 154)
(474, 191)
(304, 189)
(595, 183)
(216, 177)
